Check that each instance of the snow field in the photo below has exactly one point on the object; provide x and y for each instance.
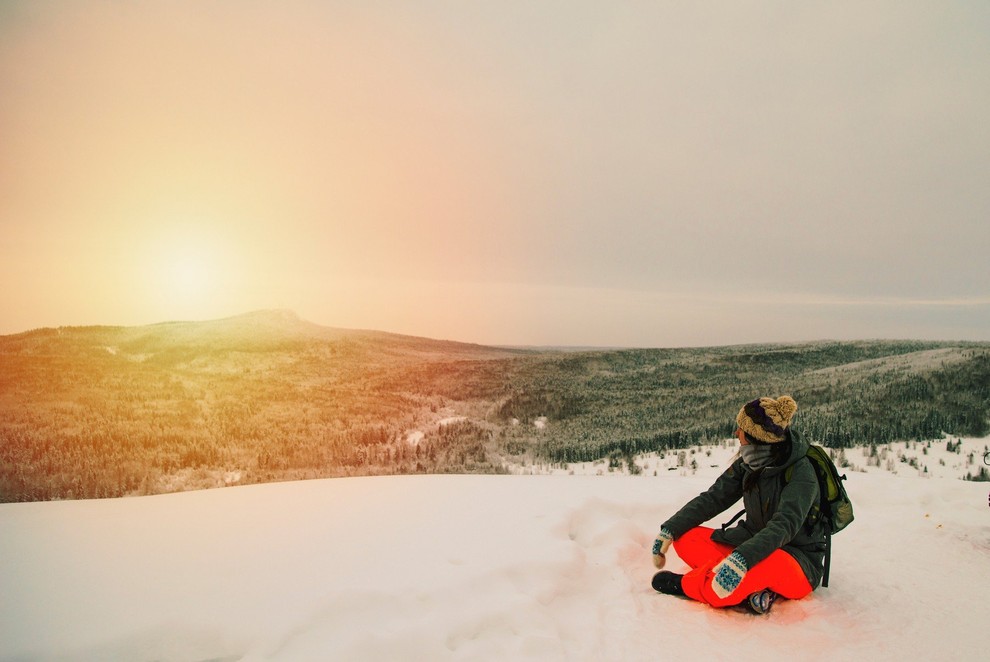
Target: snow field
(469, 568)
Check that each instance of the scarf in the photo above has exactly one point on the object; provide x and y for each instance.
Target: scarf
(756, 456)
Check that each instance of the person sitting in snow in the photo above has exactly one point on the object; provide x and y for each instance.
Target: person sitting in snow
(772, 552)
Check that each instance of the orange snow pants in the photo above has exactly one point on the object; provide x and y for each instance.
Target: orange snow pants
(779, 572)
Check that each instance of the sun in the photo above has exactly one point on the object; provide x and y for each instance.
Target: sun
(189, 276)
(192, 271)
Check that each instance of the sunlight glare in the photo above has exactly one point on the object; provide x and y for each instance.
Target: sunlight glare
(190, 274)
(192, 269)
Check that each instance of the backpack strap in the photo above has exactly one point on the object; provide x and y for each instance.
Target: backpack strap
(828, 558)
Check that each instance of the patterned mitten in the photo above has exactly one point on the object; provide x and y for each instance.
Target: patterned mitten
(728, 574)
(660, 545)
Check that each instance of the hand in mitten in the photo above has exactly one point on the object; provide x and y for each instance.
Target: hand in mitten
(660, 545)
(728, 574)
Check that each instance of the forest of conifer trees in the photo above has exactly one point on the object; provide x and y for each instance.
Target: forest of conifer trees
(106, 412)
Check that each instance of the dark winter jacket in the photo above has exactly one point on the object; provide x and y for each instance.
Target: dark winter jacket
(776, 512)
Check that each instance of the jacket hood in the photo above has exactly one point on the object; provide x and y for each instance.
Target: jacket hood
(799, 448)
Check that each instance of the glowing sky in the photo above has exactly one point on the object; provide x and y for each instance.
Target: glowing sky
(513, 172)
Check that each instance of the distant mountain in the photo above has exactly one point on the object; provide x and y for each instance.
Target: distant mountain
(106, 411)
(254, 331)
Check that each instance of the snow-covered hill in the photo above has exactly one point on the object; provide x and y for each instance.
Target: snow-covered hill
(540, 567)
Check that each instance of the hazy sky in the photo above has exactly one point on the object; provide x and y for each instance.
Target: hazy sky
(512, 172)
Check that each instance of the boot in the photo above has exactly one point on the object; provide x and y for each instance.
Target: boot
(668, 582)
(761, 601)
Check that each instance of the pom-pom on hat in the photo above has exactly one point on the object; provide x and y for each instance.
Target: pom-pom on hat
(767, 419)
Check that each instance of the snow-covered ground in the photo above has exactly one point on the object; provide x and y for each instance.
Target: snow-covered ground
(538, 567)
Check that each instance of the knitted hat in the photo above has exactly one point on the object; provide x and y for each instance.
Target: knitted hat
(766, 419)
